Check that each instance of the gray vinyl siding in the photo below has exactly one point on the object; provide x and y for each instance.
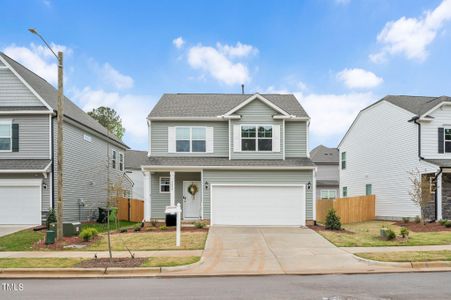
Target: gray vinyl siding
(257, 113)
(34, 136)
(14, 93)
(260, 177)
(296, 139)
(159, 136)
(327, 172)
(85, 176)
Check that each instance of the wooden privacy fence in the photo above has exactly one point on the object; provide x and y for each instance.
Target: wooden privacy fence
(130, 209)
(350, 210)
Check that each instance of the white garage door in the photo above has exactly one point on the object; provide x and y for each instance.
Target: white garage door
(20, 202)
(258, 205)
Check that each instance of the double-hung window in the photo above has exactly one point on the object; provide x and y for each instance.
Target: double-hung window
(165, 183)
(343, 160)
(447, 140)
(328, 194)
(121, 161)
(113, 159)
(190, 139)
(256, 138)
(5, 136)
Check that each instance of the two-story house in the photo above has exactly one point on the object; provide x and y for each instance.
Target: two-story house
(234, 159)
(92, 156)
(134, 159)
(327, 174)
(388, 142)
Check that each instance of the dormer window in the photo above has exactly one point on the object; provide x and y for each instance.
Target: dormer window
(256, 138)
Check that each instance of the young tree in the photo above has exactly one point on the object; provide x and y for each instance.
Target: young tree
(109, 119)
(419, 192)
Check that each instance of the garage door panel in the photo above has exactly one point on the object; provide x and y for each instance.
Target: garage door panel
(20, 205)
(258, 205)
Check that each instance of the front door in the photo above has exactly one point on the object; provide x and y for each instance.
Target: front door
(191, 199)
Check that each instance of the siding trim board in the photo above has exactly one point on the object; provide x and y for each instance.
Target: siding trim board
(256, 97)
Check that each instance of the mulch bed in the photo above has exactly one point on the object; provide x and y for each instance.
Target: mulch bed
(73, 240)
(419, 227)
(322, 228)
(123, 262)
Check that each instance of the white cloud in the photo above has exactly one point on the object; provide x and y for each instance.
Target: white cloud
(239, 50)
(133, 109)
(178, 42)
(359, 78)
(114, 77)
(38, 59)
(412, 36)
(217, 63)
(332, 114)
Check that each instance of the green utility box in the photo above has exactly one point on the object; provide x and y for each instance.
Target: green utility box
(50, 237)
(69, 228)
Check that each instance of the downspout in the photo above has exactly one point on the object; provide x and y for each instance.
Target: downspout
(415, 120)
(53, 161)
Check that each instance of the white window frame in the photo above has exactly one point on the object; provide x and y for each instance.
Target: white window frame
(256, 137)
(343, 191)
(190, 139)
(121, 161)
(169, 184)
(444, 139)
(10, 123)
(113, 159)
(328, 194)
(370, 185)
(344, 160)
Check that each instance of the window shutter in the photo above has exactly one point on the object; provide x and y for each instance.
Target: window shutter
(236, 138)
(209, 140)
(15, 137)
(275, 138)
(171, 139)
(441, 135)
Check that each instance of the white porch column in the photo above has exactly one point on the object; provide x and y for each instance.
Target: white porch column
(147, 196)
(439, 196)
(314, 195)
(172, 187)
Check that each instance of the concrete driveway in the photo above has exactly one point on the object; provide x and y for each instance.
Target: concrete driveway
(8, 229)
(272, 250)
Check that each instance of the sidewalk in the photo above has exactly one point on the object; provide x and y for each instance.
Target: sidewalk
(354, 250)
(100, 254)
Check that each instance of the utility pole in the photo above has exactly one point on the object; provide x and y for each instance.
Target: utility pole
(59, 139)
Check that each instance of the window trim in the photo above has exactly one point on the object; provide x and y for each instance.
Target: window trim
(445, 141)
(343, 191)
(343, 166)
(328, 194)
(113, 159)
(190, 139)
(121, 161)
(10, 123)
(370, 185)
(256, 137)
(169, 184)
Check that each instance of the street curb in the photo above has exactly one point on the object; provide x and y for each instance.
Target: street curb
(412, 265)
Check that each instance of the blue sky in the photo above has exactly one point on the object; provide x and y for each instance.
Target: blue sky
(337, 56)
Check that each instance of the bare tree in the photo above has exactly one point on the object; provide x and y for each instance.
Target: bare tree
(420, 191)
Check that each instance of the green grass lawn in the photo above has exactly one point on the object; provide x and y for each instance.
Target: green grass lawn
(150, 241)
(366, 234)
(409, 256)
(104, 226)
(20, 241)
(39, 262)
(170, 261)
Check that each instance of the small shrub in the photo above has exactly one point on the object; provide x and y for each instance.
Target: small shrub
(123, 230)
(88, 233)
(387, 234)
(443, 222)
(51, 218)
(448, 224)
(405, 219)
(137, 228)
(199, 225)
(417, 219)
(404, 232)
(163, 227)
(333, 220)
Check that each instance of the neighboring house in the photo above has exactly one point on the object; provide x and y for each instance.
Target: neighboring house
(28, 152)
(327, 174)
(388, 140)
(235, 159)
(134, 159)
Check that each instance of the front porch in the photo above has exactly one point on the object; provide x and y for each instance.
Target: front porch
(164, 188)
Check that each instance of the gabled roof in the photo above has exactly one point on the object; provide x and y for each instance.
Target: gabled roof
(214, 105)
(134, 159)
(419, 105)
(324, 155)
(47, 92)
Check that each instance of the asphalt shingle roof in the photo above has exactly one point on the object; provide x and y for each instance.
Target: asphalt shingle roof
(327, 183)
(49, 94)
(134, 159)
(24, 164)
(213, 105)
(418, 105)
(444, 163)
(324, 155)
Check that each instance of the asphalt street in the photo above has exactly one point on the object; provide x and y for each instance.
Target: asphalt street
(372, 286)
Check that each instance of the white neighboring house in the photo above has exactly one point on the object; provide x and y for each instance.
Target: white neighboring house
(391, 138)
(327, 174)
(133, 161)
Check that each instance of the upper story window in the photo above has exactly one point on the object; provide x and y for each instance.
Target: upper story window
(121, 161)
(113, 159)
(343, 160)
(5, 136)
(447, 140)
(256, 138)
(190, 139)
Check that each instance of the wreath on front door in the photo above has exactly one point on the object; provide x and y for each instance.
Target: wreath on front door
(193, 189)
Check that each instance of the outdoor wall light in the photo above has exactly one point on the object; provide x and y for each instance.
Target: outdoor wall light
(206, 185)
(44, 186)
(309, 185)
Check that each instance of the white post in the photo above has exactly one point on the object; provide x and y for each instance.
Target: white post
(147, 197)
(172, 187)
(178, 225)
(314, 195)
(438, 186)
